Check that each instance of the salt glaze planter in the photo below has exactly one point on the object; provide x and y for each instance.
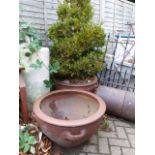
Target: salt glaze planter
(69, 117)
(90, 85)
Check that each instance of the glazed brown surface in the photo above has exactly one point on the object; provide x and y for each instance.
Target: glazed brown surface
(87, 85)
(69, 117)
(70, 107)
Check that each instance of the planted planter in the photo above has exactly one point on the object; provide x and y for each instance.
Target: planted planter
(77, 44)
(89, 84)
(69, 117)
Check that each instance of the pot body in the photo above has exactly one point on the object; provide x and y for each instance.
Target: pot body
(68, 136)
(70, 132)
(65, 84)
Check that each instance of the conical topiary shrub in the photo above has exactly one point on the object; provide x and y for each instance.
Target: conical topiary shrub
(76, 41)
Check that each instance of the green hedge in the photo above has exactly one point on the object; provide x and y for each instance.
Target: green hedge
(76, 41)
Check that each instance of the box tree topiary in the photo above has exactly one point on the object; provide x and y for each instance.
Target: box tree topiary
(76, 41)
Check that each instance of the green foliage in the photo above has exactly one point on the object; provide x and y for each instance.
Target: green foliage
(76, 41)
(27, 142)
(105, 124)
(75, 9)
(34, 46)
(26, 30)
(54, 67)
(48, 83)
(37, 65)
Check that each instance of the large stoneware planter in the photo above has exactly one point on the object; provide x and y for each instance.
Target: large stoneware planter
(69, 117)
(89, 85)
(34, 77)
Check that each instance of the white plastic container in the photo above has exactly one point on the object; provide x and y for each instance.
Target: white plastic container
(34, 77)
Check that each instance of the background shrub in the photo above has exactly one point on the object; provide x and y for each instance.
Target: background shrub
(76, 41)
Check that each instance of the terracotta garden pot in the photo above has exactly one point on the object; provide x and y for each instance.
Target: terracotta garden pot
(89, 85)
(69, 117)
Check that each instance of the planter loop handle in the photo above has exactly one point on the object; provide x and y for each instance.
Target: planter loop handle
(72, 137)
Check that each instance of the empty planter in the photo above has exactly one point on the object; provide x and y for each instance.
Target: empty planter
(69, 117)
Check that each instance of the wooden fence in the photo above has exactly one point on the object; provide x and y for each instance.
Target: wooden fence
(42, 13)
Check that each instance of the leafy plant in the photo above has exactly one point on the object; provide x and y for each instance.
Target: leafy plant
(27, 142)
(34, 45)
(54, 67)
(26, 30)
(105, 124)
(48, 83)
(37, 65)
(76, 41)
(28, 35)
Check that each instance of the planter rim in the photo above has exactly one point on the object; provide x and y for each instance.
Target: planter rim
(69, 123)
(94, 81)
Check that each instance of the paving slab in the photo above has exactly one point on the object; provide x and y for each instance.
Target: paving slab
(119, 140)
